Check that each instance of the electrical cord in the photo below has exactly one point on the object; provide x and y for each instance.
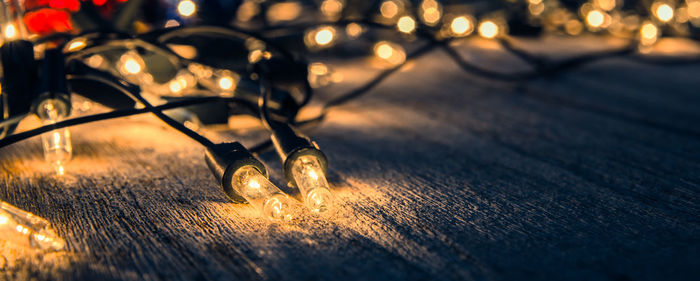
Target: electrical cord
(17, 137)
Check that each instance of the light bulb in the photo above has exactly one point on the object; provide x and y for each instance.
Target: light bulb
(648, 33)
(226, 83)
(390, 53)
(595, 18)
(25, 229)
(488, 29)
(324, 36)
(462, 26)
(662, 11)
(264, 196)
(12, 20)
(131, 64)
(320, 37)
(186, 8)
(406, 24)
(311, 180)
(58, 149)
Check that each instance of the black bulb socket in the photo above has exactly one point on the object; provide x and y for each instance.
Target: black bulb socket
(290, 145)
(225, 159)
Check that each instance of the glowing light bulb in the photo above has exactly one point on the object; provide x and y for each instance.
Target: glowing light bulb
(461, 26)
(406, 24)
(391, 53)
(76, 45)
(648, 33)
(226, 83)
(595, 18)
(10, 32)
(186, 8)
(25, 229)
(264, 196)
(488, 29)
(320, 37)
(312, 183)
(662, 11)
(58, 149)
(131, 66)
(324, 36)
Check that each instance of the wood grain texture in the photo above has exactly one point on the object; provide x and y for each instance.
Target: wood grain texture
(440, 175)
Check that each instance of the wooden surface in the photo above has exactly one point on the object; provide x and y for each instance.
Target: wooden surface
(439, 175)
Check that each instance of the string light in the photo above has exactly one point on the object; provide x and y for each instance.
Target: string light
(27, 230)
(242, 177)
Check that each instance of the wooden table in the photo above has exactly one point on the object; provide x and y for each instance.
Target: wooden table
(439, 175)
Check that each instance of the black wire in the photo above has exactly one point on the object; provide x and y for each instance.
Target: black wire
(136, 96)
(110, 115)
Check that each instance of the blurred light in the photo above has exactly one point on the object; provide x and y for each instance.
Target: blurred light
(648, 33)
(175, 86)
(595, 18)
(132, 66)
(354, 30)
(694, 9)
(430, 12)
(390, 53)
(95, 61)
(573, 27)
(10, 32)
(488, 29)
(406, 24)
(662, 11)
(76, 45)
(324, 36)
(331, 8)
(462, 26)
(389, 9)
(226, 83)
(247, 10)
(318, 68)
(536, 9)
(171, 23)
(605, 5)
(186, 8)
(283, 11)
(320, 37)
